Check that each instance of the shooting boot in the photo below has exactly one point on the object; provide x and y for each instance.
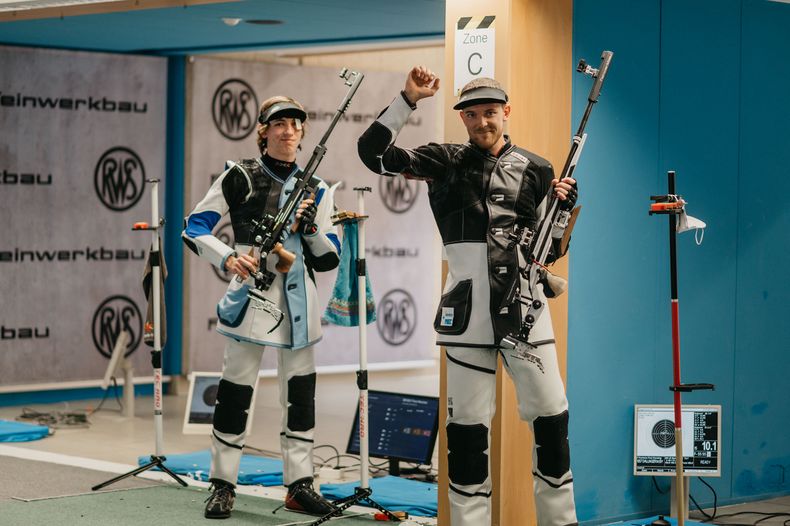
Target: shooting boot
(303, 498)
(220, 502)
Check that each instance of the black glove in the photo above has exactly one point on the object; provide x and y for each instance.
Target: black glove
(307, 225)
(570, 199)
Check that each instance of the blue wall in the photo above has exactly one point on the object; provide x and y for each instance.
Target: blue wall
(174, 213)
(700, 87)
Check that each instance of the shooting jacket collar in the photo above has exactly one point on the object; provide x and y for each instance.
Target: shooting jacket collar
(279, 170)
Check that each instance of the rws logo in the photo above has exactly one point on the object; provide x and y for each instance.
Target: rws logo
(396, 317)
(115, 314)
(235, 109)
(398, 193)
(224, 233)
(119, 178)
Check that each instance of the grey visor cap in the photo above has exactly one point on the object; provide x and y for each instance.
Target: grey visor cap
(281, 110)
(480, 96)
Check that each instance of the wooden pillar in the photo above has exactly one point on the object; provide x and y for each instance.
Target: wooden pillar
(534, 64)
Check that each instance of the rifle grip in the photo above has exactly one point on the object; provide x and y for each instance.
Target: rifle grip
(287, 258)
(251, 253)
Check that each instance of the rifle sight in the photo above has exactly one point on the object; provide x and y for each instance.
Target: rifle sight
(585, 68)
(348, 76)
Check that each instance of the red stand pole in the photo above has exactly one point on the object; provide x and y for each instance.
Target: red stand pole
(679, 480)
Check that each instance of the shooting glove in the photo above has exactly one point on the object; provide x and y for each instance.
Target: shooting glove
(307, 225)
(573, 195)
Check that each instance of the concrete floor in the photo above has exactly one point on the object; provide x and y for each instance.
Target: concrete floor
(114, 438)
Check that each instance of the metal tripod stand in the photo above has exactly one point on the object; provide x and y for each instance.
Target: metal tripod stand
(362, 493)
(158, 458)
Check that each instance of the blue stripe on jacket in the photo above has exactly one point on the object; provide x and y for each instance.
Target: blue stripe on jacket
(202, 223)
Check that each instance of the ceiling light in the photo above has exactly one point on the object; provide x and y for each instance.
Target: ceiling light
(231, 21)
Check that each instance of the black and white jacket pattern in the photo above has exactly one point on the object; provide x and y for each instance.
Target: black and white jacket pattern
(476, 199)
(247, 190)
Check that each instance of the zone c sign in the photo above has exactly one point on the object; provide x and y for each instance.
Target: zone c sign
(474, 49)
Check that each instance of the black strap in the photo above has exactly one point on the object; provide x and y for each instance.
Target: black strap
(467, 345)
(542, 342)
(286, 435)
(467, 494)
(224, 442)
(550, 483)
(469, 365)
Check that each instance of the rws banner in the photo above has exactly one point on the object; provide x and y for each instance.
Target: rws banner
(79, 134)
(402, 257)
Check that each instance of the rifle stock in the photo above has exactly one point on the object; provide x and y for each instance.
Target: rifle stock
(285, 259)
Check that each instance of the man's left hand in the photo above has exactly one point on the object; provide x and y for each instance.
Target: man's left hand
(566, 191)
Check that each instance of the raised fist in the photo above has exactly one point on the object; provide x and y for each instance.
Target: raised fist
(421, 83)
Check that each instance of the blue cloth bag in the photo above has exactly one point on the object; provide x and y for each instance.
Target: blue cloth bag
(11, 431)
(343, 307)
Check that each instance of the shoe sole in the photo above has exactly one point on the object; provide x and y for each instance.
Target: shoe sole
(217, 516)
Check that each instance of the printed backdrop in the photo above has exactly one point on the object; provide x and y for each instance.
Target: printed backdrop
(402, 257)
(79, 134)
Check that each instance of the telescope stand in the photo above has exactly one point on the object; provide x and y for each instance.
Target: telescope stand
(157, 460)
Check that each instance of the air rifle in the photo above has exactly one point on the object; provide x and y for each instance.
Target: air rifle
(536, 244)
(270, 231)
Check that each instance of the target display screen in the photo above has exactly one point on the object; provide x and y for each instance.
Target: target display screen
(654, 440)
(204, 397)
(400, 427)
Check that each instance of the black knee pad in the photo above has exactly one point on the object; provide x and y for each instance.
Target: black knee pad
(233, 402)
(467, 460)
(551, 439)
(301, 402)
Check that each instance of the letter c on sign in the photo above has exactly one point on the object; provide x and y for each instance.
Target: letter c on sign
(469, 63)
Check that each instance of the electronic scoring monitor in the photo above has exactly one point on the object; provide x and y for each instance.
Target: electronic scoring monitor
(401, 427)
(654, 440)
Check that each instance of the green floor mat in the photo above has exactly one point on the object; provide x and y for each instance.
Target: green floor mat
(161, 505)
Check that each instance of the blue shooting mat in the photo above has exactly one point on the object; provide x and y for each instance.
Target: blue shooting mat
(252, 470)
(394, 493)
(11, 431)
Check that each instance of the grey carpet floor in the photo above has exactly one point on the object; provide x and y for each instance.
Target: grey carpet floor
(160, 505)
(47, 494)
(30, 479)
